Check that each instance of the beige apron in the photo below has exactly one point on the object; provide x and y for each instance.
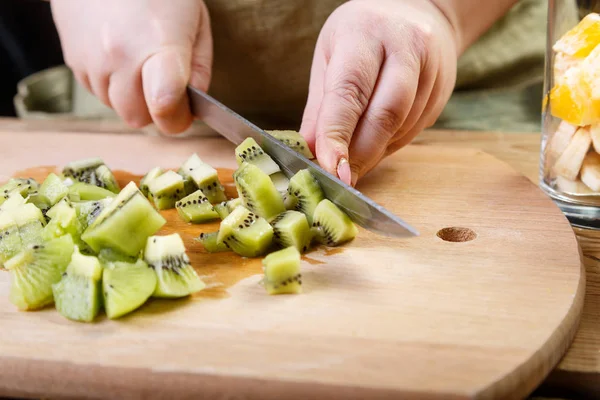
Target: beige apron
(264, 48)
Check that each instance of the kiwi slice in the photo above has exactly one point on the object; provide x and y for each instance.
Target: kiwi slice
(80, 191)
(331, 226)
(35, 269)
(211, 244)
(78, 296)
(25, 187)
(204, 177)
(126, 286)
(282, 272)
(150, 175)
(280, 181)
(293, 140)
(52, 190)
(304, 194)
(250, 152)
(83, 170)
(196, 208)
(63, 221)
(291, 229)
(88, 211)
(105, 179)
(257, 191)
(246, 233)
(166, 190)
(175, 276)
(125, 224)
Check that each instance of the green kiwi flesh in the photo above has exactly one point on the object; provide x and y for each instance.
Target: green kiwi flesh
(291, 229)
(24, 187)
(304, 194)
(257, 191)
(150, 175)
(211, 244)
(31, 222)
(106, 180)
(34, 270)
(282, 272)
(293, 140)
(52, 190)
(80, 191)
(246, 233)
(222, 209)
(63, 221)
(88, 211)
(204, 177)
(250, 152)
(126, 286)
(196, 208)
(175, 276)
(10, 240)
(125, 224)
(78, 296)
(331, 226)
(166, 190)
(280, 181)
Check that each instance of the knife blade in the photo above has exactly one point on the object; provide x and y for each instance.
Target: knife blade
(362, 210)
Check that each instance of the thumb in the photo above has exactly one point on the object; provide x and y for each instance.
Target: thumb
(350, 78)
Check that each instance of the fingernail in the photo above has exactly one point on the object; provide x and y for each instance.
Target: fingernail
(343, 171)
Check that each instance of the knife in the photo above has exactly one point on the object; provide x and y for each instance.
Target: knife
(361, 210)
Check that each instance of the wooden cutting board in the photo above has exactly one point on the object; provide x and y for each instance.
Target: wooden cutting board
(426, 317)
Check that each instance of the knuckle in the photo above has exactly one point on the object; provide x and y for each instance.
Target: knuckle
(338, 133)
(352, 91)
(386, 122)
(421, 38)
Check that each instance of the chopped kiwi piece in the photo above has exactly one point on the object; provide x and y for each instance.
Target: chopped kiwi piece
(108, 255)
(80, 191)
(88, 211)
(304, 194)
(246, 233)
(282, 272)
(150, 175)
(14, 201)
(331, 226)
(35, 269)
(293, 140)
(126, 286)
(175, 276)
(125, 224)
(166, 190)
(78, 296)
(204, 177)
(52, 190)
(83, 170)
(25, 187)
(196, 208)
(250, 152)
(291, 229)
(63, 221)
(233, 203)
(106, 179)
(257, 191)
(211, 244)
(10, 241)
(30, 222)
(222, 209)
(280, 181)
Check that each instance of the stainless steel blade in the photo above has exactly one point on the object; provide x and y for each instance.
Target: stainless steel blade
(362, 210)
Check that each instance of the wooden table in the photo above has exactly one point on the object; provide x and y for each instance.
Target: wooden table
(578, 374)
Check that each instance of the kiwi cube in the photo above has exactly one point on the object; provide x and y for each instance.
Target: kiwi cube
(63, 221)
(282, 272)
(175, 276)
(291, 229)
(125, 224)
(196, 208)
(257, 191)
(80, 191)
(280, 181)
(211, 244)
(246, 233)
(24, 187)
(84, 170)
(166, 190)
(53, 190)
(293, 140)
(35, 269)
(222, 209)
(150, 175)
(30, 222)
(77, 295)
(10, 240)
(304, 193)
(88, 211)
(331, 226)
(250, 152)
(106, 179)
(126, 286)
(204, 178)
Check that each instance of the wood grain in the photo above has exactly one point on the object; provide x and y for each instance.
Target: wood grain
(417, 318)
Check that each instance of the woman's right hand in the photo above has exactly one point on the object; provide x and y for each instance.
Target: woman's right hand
(137, 56)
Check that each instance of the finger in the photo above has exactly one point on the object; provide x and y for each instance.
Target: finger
(83, 80)
(99, 86)
(127, 97)
(164, 78)
(202, 54)
(390, 105)
(349, 81)
(315, 96)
